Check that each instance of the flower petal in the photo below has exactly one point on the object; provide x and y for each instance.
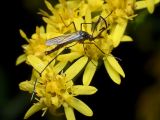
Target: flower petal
(78, 22)
(89, 72)
(35, 108)
(114, 75)
(26, 86)
(22, 33)
(126, 38)
(50, 7)
(59, 67)
(69, 112)
(79, 106)
(21, 59)
(36, 63)
(83, 90)
(142, 4)
(69, 57)
(55, 101)
(95, 4)
(75, 68)
(118, 32)
(88, 20)
(114, 63)
(150, 5)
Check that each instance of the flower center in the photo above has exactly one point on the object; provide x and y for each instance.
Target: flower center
(98, 48)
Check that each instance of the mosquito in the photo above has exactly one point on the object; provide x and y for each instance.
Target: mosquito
(79, 36)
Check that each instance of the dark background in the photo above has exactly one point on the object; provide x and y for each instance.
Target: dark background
(137, 98)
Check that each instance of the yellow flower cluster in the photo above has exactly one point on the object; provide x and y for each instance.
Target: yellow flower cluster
(54, 90)
(52, 81)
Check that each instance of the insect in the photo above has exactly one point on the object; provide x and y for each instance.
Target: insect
(79, 36)
(60, 41)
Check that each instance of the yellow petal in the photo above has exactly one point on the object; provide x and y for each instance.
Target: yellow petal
(37, 63)
(150, 5)
(114, 75)
(23, 35)
(35, 75)
(95, 4)
(115, 65)
(75, 68)
(55, 101)
(89, 72)
(69, 112)
(69, 57)
(59, 67)
(126, 38)
(21, 59)
(88, 20)
(156, 1)
(35, 108)
(63, 2)
(50, 7)
(26, 86)
(142, 4)
(43, 13)
(78, 22)
(48, 21)
(79, 106)
(83, 90)
(51, 32)
(118, 32)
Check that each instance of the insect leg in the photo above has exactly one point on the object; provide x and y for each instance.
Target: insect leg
(102, 50)
(95, 45)
(69, 24)
(88, 57)
(34, 87)
(100, 17)
(54, 49)
(72, 45)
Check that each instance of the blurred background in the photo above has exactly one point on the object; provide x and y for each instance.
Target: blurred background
(137, 98)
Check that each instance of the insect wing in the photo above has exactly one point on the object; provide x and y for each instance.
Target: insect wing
(63, 39)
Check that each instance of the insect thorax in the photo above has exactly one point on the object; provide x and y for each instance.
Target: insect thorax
(84, 35)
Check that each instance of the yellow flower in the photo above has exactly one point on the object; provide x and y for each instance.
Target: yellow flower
(99, 49)
(122, 11)
(149, 4)
(53, 86)
(54, 90)
(55, 25)
(36, 45)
